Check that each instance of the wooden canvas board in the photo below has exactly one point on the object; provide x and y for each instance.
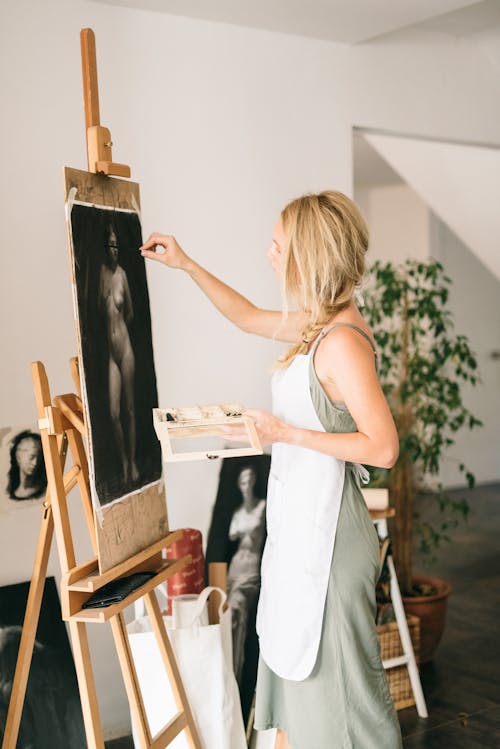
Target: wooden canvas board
(115, 352)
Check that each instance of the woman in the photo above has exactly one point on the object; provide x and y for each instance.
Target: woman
(116, 302)
(243, 577)
(320, 679)
(27, 478)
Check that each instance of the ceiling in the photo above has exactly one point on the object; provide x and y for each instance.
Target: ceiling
(345, 21)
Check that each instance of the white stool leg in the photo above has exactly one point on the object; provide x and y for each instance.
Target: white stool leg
(404, 633)
(397, 603)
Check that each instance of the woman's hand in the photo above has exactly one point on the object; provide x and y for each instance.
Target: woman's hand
(172, 255)
(269, 428)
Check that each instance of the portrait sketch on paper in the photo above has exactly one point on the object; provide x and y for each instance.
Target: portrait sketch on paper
(22, 467)
(236, 536)
(52, 715)
(116, 349)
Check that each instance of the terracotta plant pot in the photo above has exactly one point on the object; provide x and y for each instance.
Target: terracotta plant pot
(431, 610)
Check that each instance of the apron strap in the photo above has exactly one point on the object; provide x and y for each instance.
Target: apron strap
(361, 473)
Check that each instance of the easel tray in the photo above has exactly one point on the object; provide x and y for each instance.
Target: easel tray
(80, 582)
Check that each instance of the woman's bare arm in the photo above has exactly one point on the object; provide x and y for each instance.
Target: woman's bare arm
(352, 367)
(242, 312)
(233, 305)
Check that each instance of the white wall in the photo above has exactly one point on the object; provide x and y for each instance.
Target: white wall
(398, 221)
(474, 304)
(221, 126)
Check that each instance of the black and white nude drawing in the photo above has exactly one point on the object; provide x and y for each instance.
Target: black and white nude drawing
(236, 536)
(116, 349)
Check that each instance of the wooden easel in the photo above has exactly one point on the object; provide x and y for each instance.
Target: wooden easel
(61, 423)
(62, 426)
(99, 141)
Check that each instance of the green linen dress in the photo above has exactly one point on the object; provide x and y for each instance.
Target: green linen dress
(345, 702)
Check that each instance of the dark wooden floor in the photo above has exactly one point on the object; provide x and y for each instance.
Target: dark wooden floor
(462, 684)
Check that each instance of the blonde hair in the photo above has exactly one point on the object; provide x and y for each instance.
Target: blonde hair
(326, 239)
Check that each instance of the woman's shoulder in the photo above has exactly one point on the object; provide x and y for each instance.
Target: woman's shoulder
(344, 350)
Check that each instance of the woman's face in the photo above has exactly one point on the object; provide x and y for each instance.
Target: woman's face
(276, 251)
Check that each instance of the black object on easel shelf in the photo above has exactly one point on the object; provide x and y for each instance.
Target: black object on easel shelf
(117, 590)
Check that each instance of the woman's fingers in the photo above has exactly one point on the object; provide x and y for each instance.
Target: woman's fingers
(165, 249)
(158, 247)
(155, 239)
(254, 413)
(234, 433)
(269, 428)
(152, 255)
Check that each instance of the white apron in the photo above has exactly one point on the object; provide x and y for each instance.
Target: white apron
(303, 504)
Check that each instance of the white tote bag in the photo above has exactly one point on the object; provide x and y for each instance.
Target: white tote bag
(205, 660)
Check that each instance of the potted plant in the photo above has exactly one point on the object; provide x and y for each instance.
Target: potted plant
(423, 365)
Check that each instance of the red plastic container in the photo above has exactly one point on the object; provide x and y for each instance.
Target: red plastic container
(191, 579)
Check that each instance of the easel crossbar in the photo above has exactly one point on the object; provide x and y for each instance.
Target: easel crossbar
(171, 730)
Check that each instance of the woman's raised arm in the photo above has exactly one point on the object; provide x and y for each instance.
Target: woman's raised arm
(233, 305)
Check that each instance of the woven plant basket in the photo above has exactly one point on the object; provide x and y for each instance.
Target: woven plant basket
(391, 647)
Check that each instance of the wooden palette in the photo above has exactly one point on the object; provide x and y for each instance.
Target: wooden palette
(202, 421)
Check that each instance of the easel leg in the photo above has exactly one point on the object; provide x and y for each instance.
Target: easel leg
(170, 664)
(131, 681)
(29, 630)
(86, 684)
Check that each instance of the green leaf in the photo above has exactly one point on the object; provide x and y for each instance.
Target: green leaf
(423, 366)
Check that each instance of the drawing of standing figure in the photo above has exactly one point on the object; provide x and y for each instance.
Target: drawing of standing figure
(116, 303)
(243, 579)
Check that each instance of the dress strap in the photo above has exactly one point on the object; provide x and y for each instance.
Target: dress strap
(325, 332)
